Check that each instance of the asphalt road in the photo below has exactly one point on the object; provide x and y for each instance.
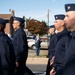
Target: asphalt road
(37, 69)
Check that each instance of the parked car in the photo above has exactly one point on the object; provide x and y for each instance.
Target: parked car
(31, 43)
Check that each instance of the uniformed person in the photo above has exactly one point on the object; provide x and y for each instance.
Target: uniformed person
(7, 54)
(69, 68)
(20, 46)
(61, 43)
(51, 48)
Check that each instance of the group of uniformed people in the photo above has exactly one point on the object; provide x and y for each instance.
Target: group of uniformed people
(13, 53)
(62, 44)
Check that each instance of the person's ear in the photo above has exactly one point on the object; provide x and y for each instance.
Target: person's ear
(18, 23)
(62, 22)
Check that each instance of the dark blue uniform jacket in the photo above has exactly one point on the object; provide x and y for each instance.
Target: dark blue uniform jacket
(69, 68)
(7, 54)
(20, 45)
(53, 40)
(60, 49)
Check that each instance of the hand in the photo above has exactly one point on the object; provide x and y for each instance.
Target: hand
(52, 60)
(52, 72)
(17, 64)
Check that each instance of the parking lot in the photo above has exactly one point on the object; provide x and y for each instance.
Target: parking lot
(31, 42)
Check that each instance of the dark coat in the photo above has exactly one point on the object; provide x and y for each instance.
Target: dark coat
(7, 54)
(38, 43)
(21, 51)
(52, 44)
(69, 68)
(20, 45)
(60, 50)
(51, 51)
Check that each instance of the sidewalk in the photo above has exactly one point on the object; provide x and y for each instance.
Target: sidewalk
(37, 60)
(33, 59)
(37, 64)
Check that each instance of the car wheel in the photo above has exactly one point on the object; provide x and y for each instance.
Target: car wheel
(33, 47)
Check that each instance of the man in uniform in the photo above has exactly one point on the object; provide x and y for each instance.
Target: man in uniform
(51, 48)
(20, 46)
(61, 41)
(7, 54)
(69, 68)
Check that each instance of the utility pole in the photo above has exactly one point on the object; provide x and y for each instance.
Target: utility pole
(24, 22)
(11, 22)
(26, 30)
(48, 18)
(48, 26)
